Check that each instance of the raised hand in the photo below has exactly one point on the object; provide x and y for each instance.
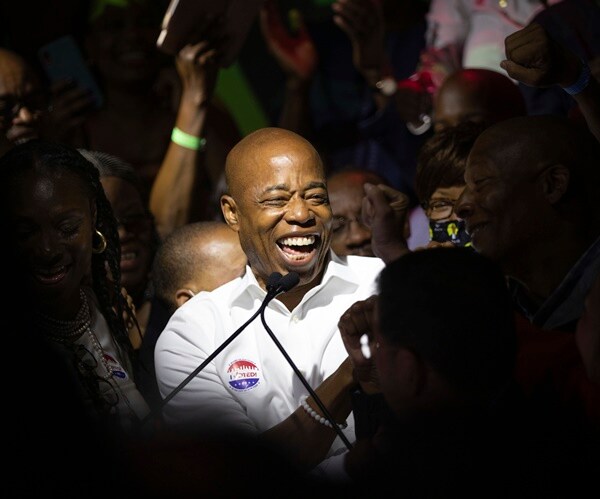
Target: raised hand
(70, 106)
(384, 210)
(295, 52)
(356, 326)
(197, 64)
(533, 58)
(362, 21)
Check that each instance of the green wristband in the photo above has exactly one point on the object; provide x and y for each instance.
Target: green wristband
(188, 141)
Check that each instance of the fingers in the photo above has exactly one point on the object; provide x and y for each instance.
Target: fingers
(358, 319)
(271, 23)
(397, 200)
(355, 17)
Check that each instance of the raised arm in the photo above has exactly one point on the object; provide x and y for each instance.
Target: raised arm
(182, 179)
(537, 60)
(385, 210)
(297, 56)
(362, 21)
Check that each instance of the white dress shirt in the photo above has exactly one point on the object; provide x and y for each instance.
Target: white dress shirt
(250, 386)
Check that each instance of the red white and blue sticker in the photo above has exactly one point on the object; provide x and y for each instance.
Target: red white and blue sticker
(117, 370)
(243, 375)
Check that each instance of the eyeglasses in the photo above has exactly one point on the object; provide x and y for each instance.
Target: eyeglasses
(135, 223)
(342, 224)
(439, 209)
(101, 390)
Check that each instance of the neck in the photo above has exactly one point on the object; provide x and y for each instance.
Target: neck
(545, 264)
(65, 310)
(292, 298)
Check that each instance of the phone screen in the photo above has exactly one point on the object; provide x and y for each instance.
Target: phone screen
(62, 59)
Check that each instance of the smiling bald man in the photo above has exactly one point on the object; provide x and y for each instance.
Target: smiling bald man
(278, 204)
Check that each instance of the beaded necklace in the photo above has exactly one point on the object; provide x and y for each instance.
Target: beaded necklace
(66, 332)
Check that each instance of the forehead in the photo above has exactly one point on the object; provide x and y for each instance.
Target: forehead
(14, 76)
(498, 153)
(279, 166)
(345, 193)
(452, 193)
(34, 190)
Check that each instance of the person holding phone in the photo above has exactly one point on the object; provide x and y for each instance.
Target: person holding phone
(22, 100)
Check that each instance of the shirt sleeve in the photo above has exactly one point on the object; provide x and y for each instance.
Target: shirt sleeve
(203, 405)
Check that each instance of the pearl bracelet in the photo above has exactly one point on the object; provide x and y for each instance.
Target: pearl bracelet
(315, 415)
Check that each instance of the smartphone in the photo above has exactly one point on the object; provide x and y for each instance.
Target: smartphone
(62, 59)
(182, 16)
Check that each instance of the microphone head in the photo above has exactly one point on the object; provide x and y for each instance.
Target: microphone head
(288, 281)
(273, 281)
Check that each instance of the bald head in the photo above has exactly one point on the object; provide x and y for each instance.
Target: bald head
(480, 95)
(532, 190)
(198, 256)
(528, 144)
(13, 68)
(257, 149)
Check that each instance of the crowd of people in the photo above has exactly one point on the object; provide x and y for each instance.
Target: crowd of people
(395, 285)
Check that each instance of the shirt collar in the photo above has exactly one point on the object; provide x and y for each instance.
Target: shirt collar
(336, 269)
(569, 290)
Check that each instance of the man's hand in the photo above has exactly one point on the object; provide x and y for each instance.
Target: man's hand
(362, 21)
(354, 324)
(534, 59)
(384, 210)
(295, 53)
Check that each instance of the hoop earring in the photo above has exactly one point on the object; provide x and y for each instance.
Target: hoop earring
(102, 243)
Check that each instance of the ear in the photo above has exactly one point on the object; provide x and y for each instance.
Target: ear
(555, 182)
(411, 372)
(182, 295)
(230, 213)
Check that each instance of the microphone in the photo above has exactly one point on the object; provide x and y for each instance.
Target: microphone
(286, 283)
(273, 281)
(274, 287)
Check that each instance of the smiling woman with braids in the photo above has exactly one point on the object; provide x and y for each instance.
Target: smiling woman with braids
(61, 240)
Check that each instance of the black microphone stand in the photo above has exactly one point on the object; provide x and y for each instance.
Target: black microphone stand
(314, 395)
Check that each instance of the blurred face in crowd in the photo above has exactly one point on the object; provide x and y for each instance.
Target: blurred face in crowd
(350, 235)
(21, 101)
(121, 41)
(135, 232)
(502, 204)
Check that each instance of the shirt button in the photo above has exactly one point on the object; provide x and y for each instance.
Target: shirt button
(295, 318)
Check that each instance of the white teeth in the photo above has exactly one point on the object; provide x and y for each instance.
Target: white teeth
(298, 241)
(128, 256)
(50, 272)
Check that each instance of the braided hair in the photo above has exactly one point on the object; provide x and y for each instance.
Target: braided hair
(53, 157)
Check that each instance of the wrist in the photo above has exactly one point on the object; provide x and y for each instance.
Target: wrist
(187, 140)
(581, 82)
